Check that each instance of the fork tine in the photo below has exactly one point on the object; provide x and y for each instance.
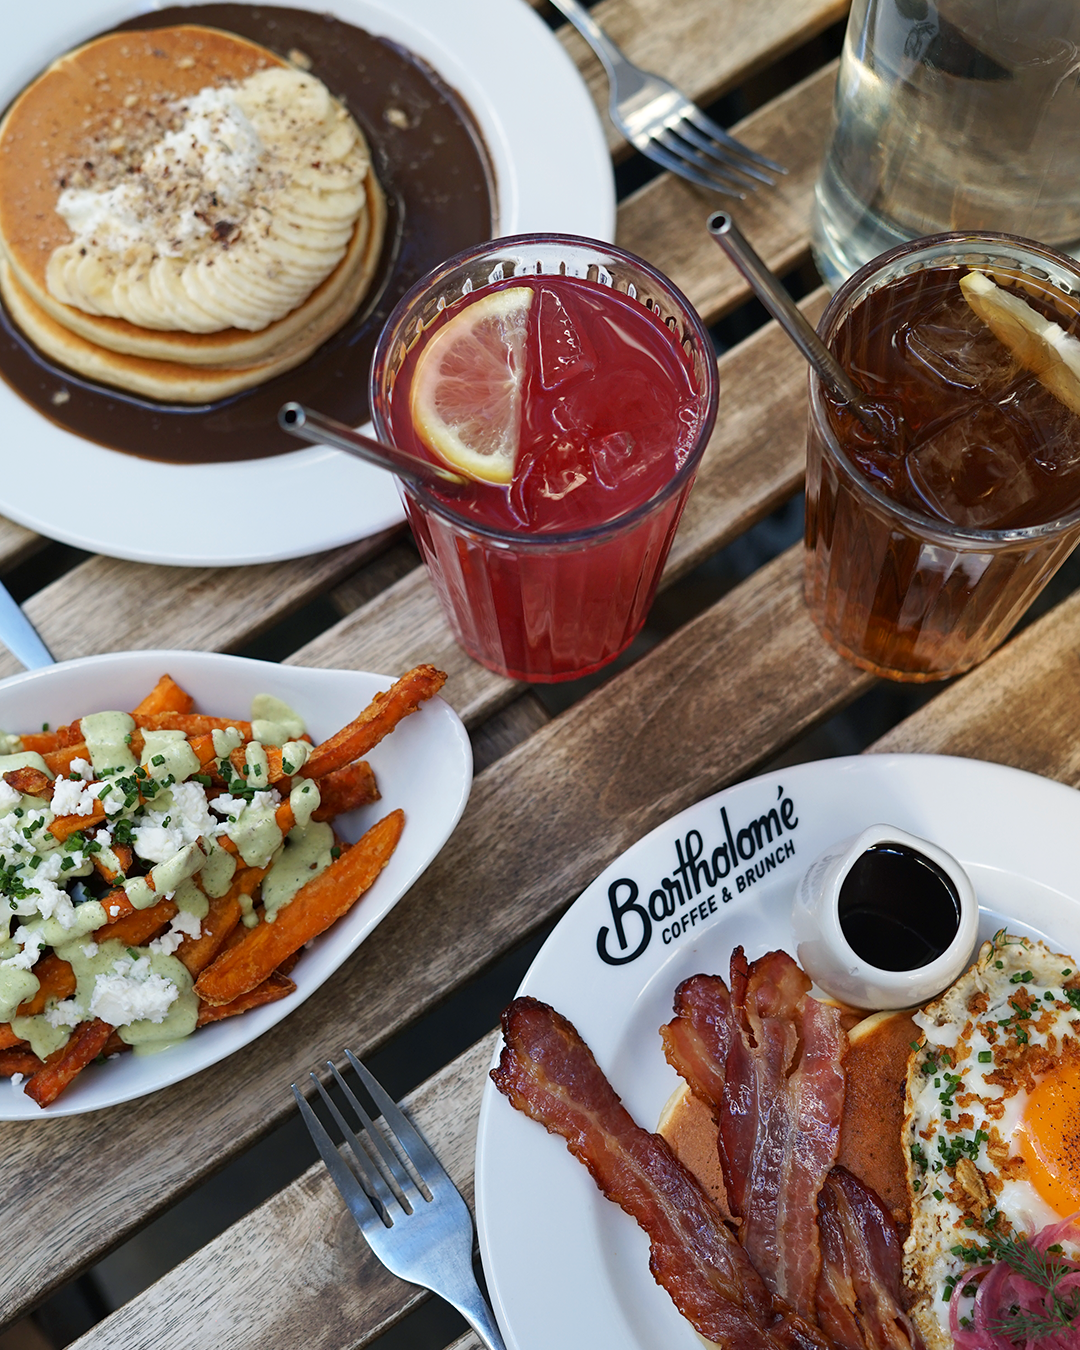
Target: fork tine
(410, 1191)
(728, 156)
(717, 133)
(677, 164)
(377, 1189)
(354, 1195)
(718, 168)
(408, 1136)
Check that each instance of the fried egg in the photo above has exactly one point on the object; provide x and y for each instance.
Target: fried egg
(992, 1121)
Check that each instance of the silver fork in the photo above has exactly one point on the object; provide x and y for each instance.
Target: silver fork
(661, 122)
(425, 1238)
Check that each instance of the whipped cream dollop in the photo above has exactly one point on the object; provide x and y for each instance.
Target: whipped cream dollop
(190, 181)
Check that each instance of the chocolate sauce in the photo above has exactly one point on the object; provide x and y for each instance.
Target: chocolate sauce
(898, 910)
(439, 186)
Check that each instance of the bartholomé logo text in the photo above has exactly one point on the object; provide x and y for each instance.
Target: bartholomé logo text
(688, 895)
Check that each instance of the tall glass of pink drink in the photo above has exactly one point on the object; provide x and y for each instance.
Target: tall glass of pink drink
(550, 576)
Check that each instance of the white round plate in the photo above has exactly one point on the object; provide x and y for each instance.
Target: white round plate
(553, 173)
(543, 1224)
(424, 767)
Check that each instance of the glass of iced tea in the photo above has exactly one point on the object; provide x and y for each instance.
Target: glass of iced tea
(575, 387)
(929, 532)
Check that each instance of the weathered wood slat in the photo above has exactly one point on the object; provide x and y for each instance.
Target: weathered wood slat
(705, 47)
(1020, 708)
(330, 1293)
(754, 462)
(106, 604)
(17, 543)
(665, 220)
(726, 692)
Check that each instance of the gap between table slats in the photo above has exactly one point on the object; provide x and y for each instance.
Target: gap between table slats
(110, 605)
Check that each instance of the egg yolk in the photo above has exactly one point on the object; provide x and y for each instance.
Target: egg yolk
(1049, 1140)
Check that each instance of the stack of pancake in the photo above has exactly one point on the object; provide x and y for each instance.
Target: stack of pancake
(183, 214)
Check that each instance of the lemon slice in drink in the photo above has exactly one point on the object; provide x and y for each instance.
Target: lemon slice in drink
(1040, 345)
(465, 399)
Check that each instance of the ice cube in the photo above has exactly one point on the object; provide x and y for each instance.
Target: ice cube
(1054, 429)
(614, 460)
(549, 476)
(565, 351)
(975, 470)
(954, 347)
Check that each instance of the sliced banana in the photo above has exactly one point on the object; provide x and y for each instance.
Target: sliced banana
(1040, 345)
(267, 204)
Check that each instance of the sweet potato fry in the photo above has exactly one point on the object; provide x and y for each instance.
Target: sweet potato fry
(139, 926)
(114, 1045)
(116, 905)
(345, 790)
(203, 745)
(20, 1059)
(377, 720)
(31, 781)
(125, 856)
(64, 826)
(222, 920)
(275, 986)
(273, 762)
(166, 696)
(85, 1044)
(56, 980)
(60, 761)
(310, 912)
(191, 724)
(8, 1039)
(44, 741)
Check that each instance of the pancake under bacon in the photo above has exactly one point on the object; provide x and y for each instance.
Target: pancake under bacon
(548, 1072)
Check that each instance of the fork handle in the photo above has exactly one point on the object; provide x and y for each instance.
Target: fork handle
(594, 35)
(474, 1307)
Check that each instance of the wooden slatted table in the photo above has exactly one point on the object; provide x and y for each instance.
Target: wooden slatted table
(555, 800)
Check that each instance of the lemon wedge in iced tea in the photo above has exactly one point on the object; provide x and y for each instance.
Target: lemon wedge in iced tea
(465, 399)
(1040, 345)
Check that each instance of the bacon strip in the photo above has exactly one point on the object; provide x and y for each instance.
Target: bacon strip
(548, 1072)
(858, 1297)
(774, 1078)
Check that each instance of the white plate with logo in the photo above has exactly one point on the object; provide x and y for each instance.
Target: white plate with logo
(720, 875)
(424, 767)
(553, 173)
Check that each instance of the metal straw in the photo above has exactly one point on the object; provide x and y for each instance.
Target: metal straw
(308, 425)
(784, 310)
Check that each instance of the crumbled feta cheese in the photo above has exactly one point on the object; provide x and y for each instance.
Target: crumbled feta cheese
(83, 768)
(9, 796)
(17, 1083)
(67, 1013)
(184, 924)
(90, 949)
(31, 941)
(72, 797)
(188, 819)
(132, 992)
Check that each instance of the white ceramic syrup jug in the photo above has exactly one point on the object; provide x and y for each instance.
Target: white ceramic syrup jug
(883, 919)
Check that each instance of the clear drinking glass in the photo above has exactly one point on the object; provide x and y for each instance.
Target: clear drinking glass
(546, 606)
(955, 115)
(897, 592)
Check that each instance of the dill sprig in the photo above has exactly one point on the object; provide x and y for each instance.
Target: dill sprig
(1045, 1270)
